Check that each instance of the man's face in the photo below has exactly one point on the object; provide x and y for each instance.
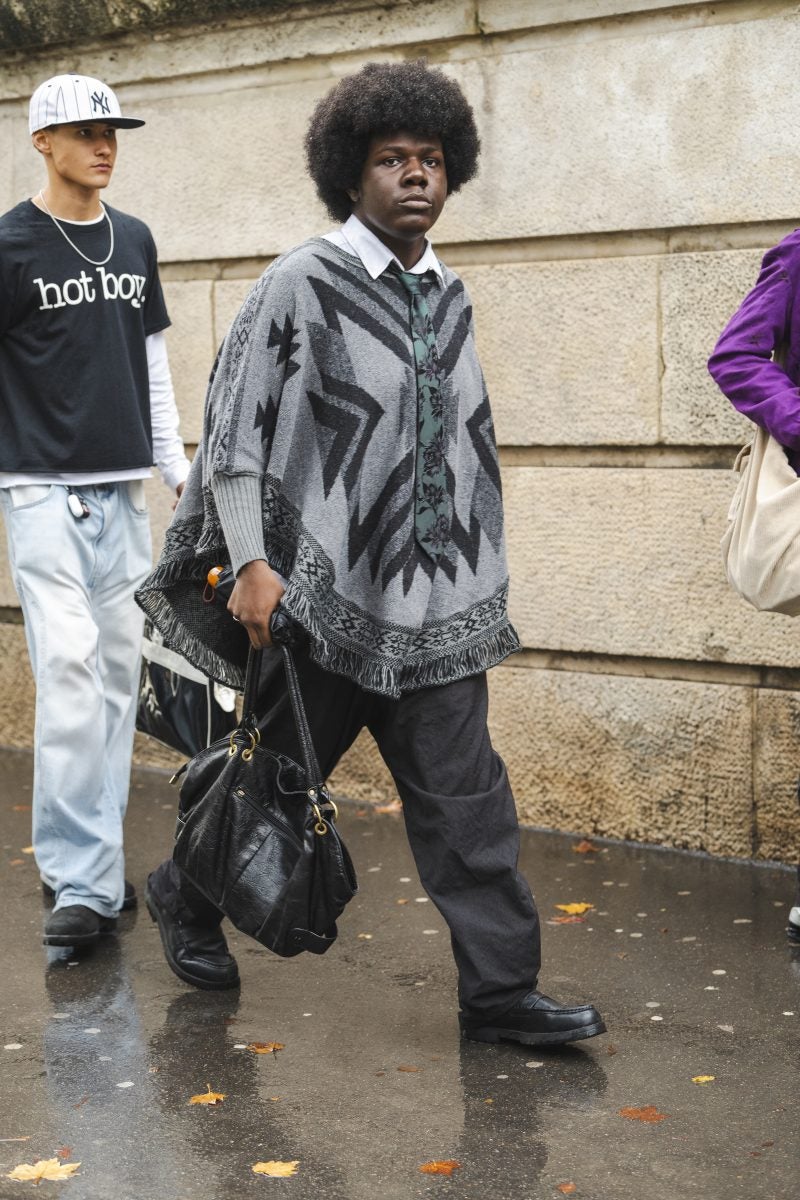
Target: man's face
(82, 154)
(403, 186)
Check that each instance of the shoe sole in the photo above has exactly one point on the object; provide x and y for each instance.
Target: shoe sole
(206, 984)
(75, 939)
(492, 1033)
(793, 933)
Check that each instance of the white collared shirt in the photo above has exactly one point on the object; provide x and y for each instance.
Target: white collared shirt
(356, 239)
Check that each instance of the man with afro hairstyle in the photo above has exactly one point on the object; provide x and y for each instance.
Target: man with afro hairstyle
(349, 473)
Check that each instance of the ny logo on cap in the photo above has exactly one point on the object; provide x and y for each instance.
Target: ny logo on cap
(99, 101)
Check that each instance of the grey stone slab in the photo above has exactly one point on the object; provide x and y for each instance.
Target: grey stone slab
(570, 350)
(699, 294)
(627, 561)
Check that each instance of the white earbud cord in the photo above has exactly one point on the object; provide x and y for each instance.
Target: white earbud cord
(85, 257)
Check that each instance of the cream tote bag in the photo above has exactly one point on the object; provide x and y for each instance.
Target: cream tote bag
(761, 546)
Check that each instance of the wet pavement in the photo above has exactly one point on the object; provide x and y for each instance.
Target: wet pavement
(684, 955)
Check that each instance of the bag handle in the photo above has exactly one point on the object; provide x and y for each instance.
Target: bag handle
(286, 634)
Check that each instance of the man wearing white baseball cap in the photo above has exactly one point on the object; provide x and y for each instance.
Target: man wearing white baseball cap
(86, 408)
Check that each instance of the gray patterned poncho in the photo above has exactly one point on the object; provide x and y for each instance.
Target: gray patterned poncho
(314, 391)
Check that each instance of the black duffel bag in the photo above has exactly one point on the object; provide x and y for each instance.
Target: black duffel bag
(256, 832)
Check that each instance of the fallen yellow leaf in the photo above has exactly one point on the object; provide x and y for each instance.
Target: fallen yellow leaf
(265, 1047)
(575, 909)
(702, 1078)
(585, 847)
(365, 937)
(45, 1168)
(27, 850)
(401, 901)
(208, 1097)
(277, 1169)
(444, 1167)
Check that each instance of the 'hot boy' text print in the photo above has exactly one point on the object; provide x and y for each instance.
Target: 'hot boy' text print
(85, 290)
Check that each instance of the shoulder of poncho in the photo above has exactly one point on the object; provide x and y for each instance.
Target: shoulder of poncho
(292, 269)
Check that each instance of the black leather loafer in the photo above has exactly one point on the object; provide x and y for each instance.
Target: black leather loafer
(536, 1021)
(130, 901)
(76, 925)
(197, 955)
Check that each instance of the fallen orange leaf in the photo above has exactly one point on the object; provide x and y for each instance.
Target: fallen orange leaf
(567, 921)
(444, 1167)
(16, 862)
(265, 1047)
(567, 1188)
(45, 1168)
(22, 808)
(649, 1114)
(208, 1097)
(585, 847)
(401, 901)
(276, 1169)
(574, 909)
(703, 1078)
(64, 1152)
(394, 806)
(410, 1070)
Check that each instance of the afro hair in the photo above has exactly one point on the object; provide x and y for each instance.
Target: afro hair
(387, 98)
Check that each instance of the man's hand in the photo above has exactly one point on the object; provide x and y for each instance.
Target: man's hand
(255, 596)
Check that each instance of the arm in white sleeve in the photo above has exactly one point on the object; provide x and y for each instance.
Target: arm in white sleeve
(168, 452)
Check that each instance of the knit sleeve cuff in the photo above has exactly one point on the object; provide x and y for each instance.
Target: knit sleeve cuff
(238, 501)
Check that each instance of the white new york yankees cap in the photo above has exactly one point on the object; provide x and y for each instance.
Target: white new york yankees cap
(65, 99)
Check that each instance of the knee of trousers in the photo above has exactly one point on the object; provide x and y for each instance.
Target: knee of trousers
(469, 837)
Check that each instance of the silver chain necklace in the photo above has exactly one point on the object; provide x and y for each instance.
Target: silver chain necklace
(85, 257)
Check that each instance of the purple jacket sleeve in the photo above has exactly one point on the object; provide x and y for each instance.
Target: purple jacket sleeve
(742, 363)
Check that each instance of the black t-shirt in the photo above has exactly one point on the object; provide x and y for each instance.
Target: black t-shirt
(74, 390)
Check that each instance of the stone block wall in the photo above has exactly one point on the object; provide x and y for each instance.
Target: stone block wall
(638, 158)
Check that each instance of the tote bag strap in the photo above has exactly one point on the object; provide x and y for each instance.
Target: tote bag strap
(284, 634)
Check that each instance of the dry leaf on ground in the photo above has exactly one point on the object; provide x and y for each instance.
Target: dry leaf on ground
(64, 1152)
(278, 1170)
(574, 909)
(567, 921)
(208, 1097)
(585, 847)
(649, 1114)
(567, 1189)
(45, 1168)
(394, 806)
(265, 1047)
(703, 1078)
(21, 807)
(410, 1070)
(444, 1167)
(27, 850)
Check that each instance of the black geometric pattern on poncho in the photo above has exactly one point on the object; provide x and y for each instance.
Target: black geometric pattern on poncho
(346, 417)
(284, 339)
(266, 418)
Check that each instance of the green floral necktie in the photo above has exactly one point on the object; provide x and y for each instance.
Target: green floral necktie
(431, 501)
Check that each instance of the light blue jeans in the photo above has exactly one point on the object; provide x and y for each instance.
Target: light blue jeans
(75, 579)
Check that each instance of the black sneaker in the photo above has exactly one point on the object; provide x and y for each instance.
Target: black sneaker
(198, 954)
(536, 1021)
(130, 901)
(76, 925)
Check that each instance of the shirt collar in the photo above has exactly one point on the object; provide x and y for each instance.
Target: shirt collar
(376, 256)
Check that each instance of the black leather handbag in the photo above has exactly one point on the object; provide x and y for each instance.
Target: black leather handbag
(256, 832)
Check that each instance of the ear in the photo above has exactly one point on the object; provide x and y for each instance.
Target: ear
(41, 141)
(354, 194)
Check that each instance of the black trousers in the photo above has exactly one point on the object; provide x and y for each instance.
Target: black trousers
(458, 807)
